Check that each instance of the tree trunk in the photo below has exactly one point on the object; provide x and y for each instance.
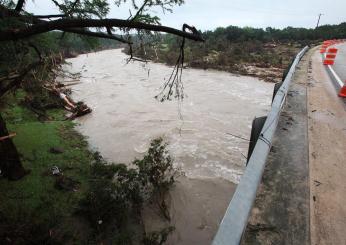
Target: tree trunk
(10, 164)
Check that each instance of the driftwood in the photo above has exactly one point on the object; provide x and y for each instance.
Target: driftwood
(7, 136)
(78, 109)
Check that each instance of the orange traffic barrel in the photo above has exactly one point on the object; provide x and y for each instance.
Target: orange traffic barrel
(330, 56)
(328, 62)
(342, 92)
(322, 50)
(332, 50)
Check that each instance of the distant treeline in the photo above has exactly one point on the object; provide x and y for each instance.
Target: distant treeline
(233, 48)
(234, 33)
(54, 43)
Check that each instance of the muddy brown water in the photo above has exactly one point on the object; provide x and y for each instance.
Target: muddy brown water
(126, 117)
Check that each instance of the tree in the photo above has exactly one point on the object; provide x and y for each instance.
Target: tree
(10, 164)
(20, 34)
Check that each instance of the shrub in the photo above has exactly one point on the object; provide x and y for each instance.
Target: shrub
(117, 193)
(156, 173)
(158, 237)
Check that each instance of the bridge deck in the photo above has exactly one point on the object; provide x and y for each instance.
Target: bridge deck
(302, 198)
(327, 153)
(281, 211)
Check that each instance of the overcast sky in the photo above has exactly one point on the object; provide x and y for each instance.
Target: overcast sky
(209, 14)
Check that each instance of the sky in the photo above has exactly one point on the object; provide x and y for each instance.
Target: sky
(210, 14)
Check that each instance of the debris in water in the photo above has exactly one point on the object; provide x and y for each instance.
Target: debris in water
(56, 170)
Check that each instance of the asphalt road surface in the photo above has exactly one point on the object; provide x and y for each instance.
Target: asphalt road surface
(340, 61)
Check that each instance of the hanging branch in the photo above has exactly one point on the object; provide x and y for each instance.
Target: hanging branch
(174, 87)
(132, 58)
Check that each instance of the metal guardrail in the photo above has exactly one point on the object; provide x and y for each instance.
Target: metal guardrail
(236, 217)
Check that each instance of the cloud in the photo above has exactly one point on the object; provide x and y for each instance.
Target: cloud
(207, 15)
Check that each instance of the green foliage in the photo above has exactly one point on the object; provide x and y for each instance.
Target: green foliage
(7, 3)
(32, 210)
(110, 196)
(156, 168)
(83, 8)
(157, 174)
(116, 193)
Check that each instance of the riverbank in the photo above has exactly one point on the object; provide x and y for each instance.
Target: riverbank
(39, 208)
(65, 198)
(66, 187)
(267, 61)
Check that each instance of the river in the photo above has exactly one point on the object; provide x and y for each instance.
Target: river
(199, 131)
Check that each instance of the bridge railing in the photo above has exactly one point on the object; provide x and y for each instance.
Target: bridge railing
(235, 220)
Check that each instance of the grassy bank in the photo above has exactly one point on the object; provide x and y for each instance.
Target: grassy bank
(91, 202)
(34, 208)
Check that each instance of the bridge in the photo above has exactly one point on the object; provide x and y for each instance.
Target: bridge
(293, 189)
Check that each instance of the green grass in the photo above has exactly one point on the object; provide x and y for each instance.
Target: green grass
(35, 198)
(34, 211)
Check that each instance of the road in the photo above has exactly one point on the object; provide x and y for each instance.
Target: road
(301, 199)
(340, 61)
(327, 141)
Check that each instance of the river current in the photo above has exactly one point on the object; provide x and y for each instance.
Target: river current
(126, 116)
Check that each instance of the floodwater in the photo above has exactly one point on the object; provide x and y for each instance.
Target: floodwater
(126, 117)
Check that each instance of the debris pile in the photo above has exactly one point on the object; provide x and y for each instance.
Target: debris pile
(77, 109)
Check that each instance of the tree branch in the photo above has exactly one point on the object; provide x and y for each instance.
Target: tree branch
(140, 10)
(49, 16)
(19, 5)
(96, 34)
(36, 19)
(16, 79)
(63, 24)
